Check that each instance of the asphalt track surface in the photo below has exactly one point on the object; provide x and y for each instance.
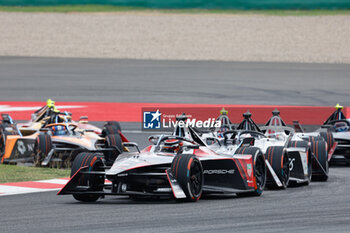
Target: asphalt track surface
(211, 82)
(319, 207)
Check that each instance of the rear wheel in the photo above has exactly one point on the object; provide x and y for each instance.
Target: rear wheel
(278, 158)
(188, 171)
(259, 169)
(328, 137)
(113, 141)
(112, 127)
(114, 123)
(43, 145)
(95, 182)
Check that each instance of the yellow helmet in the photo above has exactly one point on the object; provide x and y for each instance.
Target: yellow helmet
(51, 104)
(338, 106)
(223, 111)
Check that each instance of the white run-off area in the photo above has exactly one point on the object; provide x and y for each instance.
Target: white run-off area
(150, 35)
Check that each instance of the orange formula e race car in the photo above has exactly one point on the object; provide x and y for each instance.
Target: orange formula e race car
(52, 139)
(57, 144)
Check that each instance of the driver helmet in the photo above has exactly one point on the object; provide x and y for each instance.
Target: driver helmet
(59, 130)
(270, 133)
(171, 146)
(279, 135)
(222, 130)
(340, 127)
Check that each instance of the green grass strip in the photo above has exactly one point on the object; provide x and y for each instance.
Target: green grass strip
(13, 173)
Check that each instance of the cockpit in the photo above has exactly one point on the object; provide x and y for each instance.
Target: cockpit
(182, 136)
(337, 120)
(49, 114)
(276, 128)
(61, 129)
(248, 123)
(226, 124)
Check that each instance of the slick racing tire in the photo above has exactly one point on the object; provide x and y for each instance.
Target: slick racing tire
(188, 171)
(304, 144)
(259, 169)
(113, 141)
(278, 158)
(112, 127)
(319, 150)
(95, 182)
(116, 124)
(43, 145)
(328, 137)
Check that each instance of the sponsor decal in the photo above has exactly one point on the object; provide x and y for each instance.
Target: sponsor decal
(211, 122)
(169, 118)
(249, 169)
(123, 174)
(151, 120)
(219, 172)
(23, 147)
(291, 164)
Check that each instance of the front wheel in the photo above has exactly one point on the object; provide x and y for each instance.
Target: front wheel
(320, 169)
(95, 182)
(188, 171)
(278, 158)
(328, 137)
(113, 141)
